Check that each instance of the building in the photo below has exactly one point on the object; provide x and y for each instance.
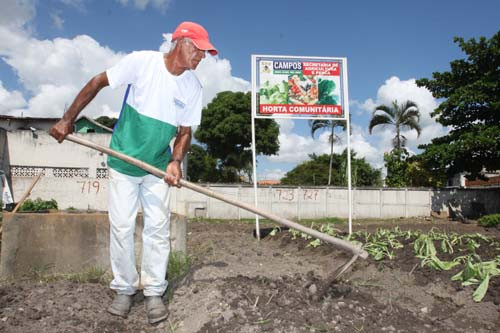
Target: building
(82, 125)
(491, 179)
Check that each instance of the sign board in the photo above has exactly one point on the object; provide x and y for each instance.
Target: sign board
(299, 87)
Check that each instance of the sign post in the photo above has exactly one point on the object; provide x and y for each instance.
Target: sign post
(300, 88)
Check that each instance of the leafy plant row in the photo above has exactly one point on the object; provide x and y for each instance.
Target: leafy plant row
(382, 244)
(38, 205)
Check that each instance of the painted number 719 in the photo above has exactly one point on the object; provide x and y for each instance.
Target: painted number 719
(89, 186)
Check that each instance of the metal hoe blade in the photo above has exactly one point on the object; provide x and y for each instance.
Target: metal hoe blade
(334, 277)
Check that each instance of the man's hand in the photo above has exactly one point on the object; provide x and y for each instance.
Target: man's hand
(174, 173)
(61, 129)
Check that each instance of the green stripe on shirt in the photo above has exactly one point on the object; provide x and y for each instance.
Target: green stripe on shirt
(141, 137)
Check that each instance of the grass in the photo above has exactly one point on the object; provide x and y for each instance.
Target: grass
(323, 220)
(179, 265)
(490, 221)
(227, 221)
(178, 268)
(92, 274)
(263, 221)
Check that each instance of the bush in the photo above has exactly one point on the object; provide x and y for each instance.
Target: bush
(38, 205)
(490, 221)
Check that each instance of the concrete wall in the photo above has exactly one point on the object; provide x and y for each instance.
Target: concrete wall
(28, 149)
(318, 202)
(306, 203)
(66, 243)
(76, 176)
(472, 203)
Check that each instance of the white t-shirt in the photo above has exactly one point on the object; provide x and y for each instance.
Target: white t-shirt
(156, 102)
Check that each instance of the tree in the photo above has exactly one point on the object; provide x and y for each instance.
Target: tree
(397, 167)
(313, 171)
(420, 175)
(225, 130)
(330, 124)
(107, 121)
(471, 107)
(403, 116)
(201, 166)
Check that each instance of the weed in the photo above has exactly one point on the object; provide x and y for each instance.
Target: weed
(38, 205)
(490, 221)
(92, 274)
(178, 265)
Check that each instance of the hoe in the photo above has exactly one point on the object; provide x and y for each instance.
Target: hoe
(355, 250)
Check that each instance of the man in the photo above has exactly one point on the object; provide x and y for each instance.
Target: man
(163, 99)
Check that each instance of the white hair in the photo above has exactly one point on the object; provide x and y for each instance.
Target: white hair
(168, 44)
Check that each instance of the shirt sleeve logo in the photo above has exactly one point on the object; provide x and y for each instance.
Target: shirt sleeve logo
(179, 103)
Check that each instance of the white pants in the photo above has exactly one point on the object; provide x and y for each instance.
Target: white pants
(125, 194)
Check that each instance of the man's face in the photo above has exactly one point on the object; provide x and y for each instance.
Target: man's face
(190, 55)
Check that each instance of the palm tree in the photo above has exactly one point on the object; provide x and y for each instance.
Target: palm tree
(402, 116)
(324, 124)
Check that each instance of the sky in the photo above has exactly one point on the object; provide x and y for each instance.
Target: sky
(50, 48)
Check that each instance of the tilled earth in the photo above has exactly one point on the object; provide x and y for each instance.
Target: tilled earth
(238, 284)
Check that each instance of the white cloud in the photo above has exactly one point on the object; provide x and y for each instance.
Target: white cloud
(286, 125)
(16, 13)
(57, 21)
(295, 148)
(73, 3)
(52, 72)
(271, 174)
(363, 148)
(396, 89)
(51, 100)
(214, 74)
(161, 5)
(59, 62)
(10, 100)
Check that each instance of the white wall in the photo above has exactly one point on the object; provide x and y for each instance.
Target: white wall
(90, 192)
(27, 149)
(29, 154)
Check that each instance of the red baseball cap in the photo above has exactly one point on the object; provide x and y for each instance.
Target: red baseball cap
(197, 34)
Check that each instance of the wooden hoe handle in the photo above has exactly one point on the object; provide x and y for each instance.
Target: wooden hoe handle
(340, 243)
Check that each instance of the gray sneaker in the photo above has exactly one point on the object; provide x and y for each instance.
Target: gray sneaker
(155, 309)
(121, 305)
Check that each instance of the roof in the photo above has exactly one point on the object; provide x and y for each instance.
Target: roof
(269, 182)
(5, 117)
(34, 119)
(107, 129)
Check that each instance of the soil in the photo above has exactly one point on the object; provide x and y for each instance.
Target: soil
(240, 284)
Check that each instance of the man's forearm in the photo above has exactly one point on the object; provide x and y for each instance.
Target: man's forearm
(182, 143)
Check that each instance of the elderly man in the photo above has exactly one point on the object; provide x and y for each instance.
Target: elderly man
(163, 99)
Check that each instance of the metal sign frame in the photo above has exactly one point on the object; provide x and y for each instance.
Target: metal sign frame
(344, 103)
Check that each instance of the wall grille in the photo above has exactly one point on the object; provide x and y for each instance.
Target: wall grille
(102, 173)
(29, 171)
(26, 171)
